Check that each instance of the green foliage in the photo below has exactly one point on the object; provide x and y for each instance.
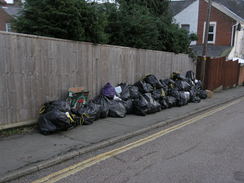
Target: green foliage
(133, 26)
(93, 22)
(134, 23)
(193, 37)
(54, 18)
(67, 19)
(174, 39)
(146, 24)
(156, 7)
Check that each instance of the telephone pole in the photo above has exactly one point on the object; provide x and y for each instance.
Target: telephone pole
(204, 52)
(205, 45)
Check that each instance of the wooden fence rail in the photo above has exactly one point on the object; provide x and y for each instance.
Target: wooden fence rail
(34, 70)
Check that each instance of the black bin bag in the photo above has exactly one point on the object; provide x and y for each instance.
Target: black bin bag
(158, 93)
(193, 96)
(134, 92)
(163, 103)
(140, 106)
(153, 80)
(182, 99)
(125, 94)
(128, 106)
(182, 85)
(144, 87)
(153, 106)
(165, 86)
(203, 94)
(59, 105)
(171, 101)
(104, 105)
(89, 113)
(190, 75)
(54, 121)
(177, 76)
(117, 109)
(169, 83)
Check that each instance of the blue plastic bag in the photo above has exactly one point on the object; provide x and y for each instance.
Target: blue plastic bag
(108, 91)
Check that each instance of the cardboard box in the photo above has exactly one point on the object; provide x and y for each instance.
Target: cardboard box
(76, 90)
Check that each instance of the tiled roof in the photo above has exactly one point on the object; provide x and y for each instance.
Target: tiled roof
(177, 6)
(212, 50)
(236, 6)
(12, 10)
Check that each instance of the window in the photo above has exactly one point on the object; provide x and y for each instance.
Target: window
(211, 32)
(8, 27)
(185, 27)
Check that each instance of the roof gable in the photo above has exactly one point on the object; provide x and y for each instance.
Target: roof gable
(232, 8)
(12, 11)
(176, 7)
(236, 6)
(226, 10)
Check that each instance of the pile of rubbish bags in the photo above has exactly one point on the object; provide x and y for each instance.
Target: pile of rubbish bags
(147, 96)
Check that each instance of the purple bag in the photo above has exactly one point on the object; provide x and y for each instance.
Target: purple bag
(109, 91)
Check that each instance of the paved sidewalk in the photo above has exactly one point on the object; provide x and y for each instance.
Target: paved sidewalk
(21, 154)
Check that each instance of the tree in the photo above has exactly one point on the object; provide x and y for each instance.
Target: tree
(67, 19)
(133, 25)
(94, 21)
(146, 24)
(156, 7)
(54, 18)
(174, 39)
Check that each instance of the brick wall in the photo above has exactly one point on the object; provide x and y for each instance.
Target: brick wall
(224, 25)
(4, 18)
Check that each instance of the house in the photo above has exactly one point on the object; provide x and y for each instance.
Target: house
(225, 36)
(8, 10)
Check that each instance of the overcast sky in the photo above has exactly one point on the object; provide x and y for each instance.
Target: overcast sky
(9, 1)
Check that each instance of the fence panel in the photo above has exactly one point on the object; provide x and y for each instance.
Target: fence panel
(241, 76)
(213, 77)
(231, 70)
(218, 72)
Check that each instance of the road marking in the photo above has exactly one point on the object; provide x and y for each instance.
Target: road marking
(61, 174)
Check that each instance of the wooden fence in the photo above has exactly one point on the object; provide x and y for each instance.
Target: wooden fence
(34, 70)
(218, 72)
(241, 75)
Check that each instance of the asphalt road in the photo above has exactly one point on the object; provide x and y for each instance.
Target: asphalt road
(209, 149)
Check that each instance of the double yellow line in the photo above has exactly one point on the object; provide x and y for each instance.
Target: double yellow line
(59, 175)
